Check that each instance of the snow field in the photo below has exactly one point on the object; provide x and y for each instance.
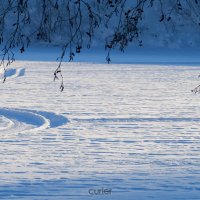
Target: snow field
(130, 128)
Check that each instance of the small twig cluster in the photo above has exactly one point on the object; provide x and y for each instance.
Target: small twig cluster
(196, 89)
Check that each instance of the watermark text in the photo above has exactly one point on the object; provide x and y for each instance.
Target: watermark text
(100, 191)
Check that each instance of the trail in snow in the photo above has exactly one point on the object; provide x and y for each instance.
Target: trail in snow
(20, 120)
(12, 73)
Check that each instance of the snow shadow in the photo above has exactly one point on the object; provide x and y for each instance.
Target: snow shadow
(161, 119)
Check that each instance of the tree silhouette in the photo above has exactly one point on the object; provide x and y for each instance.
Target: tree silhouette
(76, 22)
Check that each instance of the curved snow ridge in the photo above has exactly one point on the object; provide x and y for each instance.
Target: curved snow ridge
(12, 73)
(5, 123)
(30, 120)
(55, 120)
(161, 119)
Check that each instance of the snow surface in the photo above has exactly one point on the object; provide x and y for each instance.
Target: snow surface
(132, 128)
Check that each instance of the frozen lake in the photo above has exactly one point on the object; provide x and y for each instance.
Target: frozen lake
(133, 130)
